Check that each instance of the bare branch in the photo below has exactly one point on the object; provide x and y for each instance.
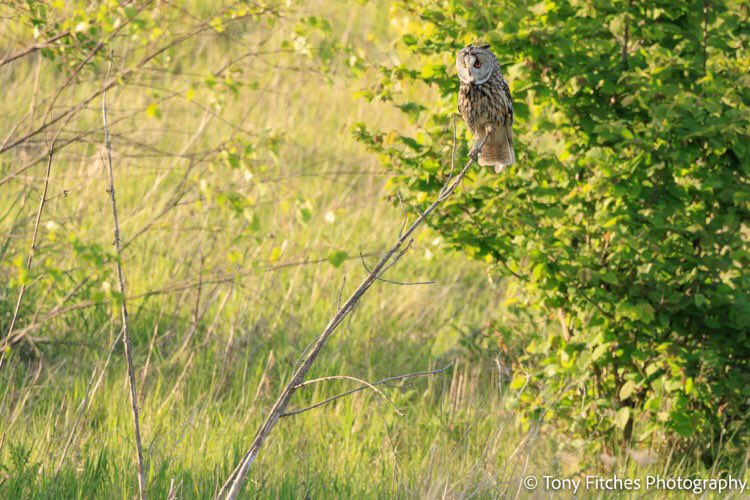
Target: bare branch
(385, 381)
(233, 484)
(365, 383)
(228, 278)
(397, 257)
(405, 283)
(626, 36)
(123, 77)
(32, 48)
(124, 304)
(32, 249)
(453, 154)
(406, 215)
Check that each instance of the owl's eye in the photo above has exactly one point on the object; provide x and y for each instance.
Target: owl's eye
(477, 64)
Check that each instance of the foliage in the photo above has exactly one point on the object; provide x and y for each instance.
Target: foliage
(626, 213)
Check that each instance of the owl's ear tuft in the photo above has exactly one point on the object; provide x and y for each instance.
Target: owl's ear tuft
(485, 46)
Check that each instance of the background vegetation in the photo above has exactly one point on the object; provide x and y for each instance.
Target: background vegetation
(601, 326)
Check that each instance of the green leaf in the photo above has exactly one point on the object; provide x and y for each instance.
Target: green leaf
(539, 271)
(305, 214)
(627, 389)
(642, 311)
(521, 110)
(153, 111)
(689, 385)
(217, 24)
(700, 300)
(645, 312)
(609, 277)
(337, 258)
(599, 351)
(275, 254)
(622, 417)
(518, 382)
(682, 423)
(611, 222)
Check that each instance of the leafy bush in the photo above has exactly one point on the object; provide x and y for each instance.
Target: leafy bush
(626, 215)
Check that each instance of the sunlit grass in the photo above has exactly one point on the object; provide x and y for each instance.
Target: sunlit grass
(204, 397)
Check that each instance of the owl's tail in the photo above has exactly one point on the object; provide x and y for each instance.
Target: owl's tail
(498, 149)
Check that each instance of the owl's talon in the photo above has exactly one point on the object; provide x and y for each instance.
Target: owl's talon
(474, 154)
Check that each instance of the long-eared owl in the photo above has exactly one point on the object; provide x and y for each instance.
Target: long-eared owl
(485, 104)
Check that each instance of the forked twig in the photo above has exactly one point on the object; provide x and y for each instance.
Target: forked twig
(404, 283)
(365, 383)
(406, 216)
(453, 154)
(234, 482)
(32, 250)
(385, 381)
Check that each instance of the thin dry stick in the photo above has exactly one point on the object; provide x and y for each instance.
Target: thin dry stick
(453, 154)
(124, 307)
(177, 384)
(347, 377)
(233, 484)
(144, 371)
(85, 406)
(402, 283)
(32, 48)
(360, 388)
(32, 250)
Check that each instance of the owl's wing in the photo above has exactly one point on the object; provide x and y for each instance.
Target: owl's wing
(509, 156)
(464, 105)
(508, 101)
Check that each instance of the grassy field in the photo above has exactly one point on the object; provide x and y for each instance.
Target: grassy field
(225, 295)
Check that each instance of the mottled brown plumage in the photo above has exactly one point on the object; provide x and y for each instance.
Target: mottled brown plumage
(485, 104)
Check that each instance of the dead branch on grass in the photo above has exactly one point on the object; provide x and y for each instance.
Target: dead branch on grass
(233, 484)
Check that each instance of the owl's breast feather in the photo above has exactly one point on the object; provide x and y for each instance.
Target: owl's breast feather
(464, 104)
(482, 104)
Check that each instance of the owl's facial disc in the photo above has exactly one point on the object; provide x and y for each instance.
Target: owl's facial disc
(462, 67)
(473, 68)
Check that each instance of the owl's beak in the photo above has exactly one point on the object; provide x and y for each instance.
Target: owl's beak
(468, 62)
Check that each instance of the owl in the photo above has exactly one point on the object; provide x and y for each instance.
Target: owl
(485, 105)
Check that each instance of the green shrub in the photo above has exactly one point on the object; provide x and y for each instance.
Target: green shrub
(626, 213)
